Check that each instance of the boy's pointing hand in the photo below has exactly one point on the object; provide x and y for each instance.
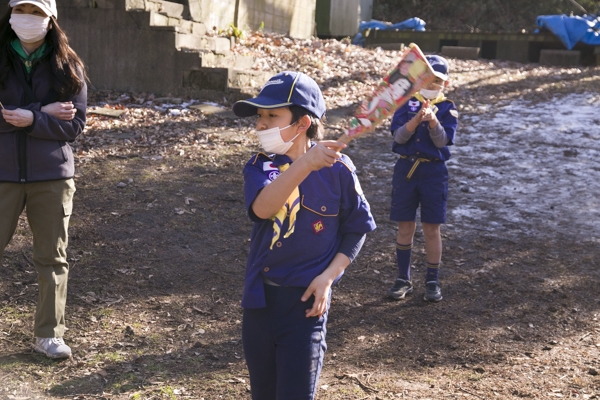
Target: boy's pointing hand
(324, 154)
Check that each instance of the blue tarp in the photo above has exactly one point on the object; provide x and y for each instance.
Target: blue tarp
(571, 30)
(416, 24)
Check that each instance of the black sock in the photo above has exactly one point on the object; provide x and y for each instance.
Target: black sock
(432, 272)
(403, 256)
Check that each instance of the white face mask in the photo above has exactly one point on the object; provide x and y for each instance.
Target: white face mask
(29, 28)
(430, 94)
(272, 142)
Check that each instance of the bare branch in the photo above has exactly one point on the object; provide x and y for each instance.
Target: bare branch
(576, 4)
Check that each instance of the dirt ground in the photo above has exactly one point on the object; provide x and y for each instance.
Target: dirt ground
(159, 238)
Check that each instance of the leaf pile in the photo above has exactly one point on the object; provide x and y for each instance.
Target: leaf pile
(160, 127)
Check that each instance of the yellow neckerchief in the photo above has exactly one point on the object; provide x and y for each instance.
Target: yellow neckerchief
(433, 102)
(438, 99)
(291, 208)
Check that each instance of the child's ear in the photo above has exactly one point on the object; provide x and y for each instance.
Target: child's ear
(304, 123)
(446, 83)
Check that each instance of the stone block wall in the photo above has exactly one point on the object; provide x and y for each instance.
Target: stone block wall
(146, 46)
(295, 18)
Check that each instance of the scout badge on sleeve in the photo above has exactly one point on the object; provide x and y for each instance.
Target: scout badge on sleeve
(411, 74)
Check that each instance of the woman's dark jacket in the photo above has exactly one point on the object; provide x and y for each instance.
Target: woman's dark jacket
(39, 152)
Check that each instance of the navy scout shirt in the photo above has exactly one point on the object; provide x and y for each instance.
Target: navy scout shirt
(332, 204)
(420, 143)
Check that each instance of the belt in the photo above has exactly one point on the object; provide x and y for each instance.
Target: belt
(416, 160)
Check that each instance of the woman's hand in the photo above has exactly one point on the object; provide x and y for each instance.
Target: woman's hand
(20, 118)
(63, 111)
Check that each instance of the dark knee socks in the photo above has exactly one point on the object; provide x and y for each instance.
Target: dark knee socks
(403, 255)
(432, 272)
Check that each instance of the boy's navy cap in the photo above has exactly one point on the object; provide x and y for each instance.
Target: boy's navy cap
(283, 90)
(439, 65)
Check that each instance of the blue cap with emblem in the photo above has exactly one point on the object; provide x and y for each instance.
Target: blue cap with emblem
(439, 65)
(283, 90)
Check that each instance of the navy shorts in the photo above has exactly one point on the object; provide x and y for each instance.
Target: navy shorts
(284, 350)
(427, 187)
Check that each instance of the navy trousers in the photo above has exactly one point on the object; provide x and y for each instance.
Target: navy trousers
(284, 350)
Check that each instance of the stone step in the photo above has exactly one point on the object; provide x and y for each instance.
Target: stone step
(236, 61)
(218, 45)
(210, 69)
(248, 80)
(183, 26)
(224, 79)
(160, 6)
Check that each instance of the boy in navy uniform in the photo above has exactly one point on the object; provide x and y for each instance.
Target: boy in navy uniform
(310, 221)
(423, 129)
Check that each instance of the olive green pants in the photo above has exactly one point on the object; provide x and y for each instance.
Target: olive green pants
(48, 207)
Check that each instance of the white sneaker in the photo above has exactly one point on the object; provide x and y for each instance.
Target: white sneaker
(52, 347)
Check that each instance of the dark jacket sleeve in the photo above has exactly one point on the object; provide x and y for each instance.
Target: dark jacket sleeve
(48, 127)
(5, 127)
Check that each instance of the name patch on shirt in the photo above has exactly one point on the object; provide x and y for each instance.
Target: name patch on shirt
(414, 105)
(271, 170)
(318, 227)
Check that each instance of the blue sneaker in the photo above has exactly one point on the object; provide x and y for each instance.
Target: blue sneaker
(400, 289)
(433, 291)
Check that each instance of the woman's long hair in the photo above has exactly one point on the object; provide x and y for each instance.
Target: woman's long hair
(67, 67)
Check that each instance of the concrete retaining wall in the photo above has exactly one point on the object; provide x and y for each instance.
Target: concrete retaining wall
(214, 14)
(163, 48)
(295, 18)
(122, 52)
(518, 47)
(346, 16)
(565, 58)
(148, 51)
(341, 18)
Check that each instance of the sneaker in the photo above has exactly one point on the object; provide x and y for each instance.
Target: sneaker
(433, 291)
(52, 347)
(400, 289)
